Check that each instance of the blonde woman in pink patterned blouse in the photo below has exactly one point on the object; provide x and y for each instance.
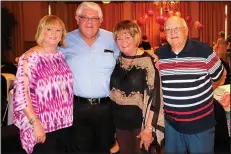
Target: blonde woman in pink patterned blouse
(43, 91)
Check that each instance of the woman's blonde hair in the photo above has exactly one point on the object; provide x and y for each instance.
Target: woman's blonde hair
(49, 21)
(130, 27)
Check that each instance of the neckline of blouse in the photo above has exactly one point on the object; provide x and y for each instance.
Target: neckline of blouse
(130, 57)
(47, 53)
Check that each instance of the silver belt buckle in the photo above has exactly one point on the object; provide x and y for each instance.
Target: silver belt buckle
(94, 101)
(90, 100)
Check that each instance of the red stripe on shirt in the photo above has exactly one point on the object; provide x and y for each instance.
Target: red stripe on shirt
(172, 65)
(212, 62)
(189, 112)
(192, 119)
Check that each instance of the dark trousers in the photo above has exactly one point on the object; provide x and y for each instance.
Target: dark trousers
(10, 140)
(222, 139)
(92, 130)
(56, 143)
(128, 142)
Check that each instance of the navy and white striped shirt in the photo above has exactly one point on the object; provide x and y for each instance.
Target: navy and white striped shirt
(187, 86)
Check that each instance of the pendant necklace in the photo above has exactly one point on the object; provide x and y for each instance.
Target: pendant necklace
(129, 66)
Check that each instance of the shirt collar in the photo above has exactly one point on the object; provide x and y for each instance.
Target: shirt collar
(186, 48)
(79, 35)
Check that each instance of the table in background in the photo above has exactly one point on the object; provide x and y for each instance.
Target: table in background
(9, 81)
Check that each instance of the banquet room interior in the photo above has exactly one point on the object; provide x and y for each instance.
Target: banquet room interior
(19, 20)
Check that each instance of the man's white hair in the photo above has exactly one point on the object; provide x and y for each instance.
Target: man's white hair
(181, 20)
(90, 5)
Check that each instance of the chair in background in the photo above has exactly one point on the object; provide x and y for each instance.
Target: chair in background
(4, 103)
(9, 68)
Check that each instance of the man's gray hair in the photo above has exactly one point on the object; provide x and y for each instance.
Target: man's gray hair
(90, 5)
(184, 24)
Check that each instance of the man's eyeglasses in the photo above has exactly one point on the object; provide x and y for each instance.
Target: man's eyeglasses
(92, 19)
(174, 30)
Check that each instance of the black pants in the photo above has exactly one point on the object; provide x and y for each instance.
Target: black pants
(222, 139)
(92, 130)
(56, 143)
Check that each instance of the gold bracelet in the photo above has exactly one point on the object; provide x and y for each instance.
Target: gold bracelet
(32, 120)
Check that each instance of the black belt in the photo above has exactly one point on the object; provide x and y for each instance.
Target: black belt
(92, 101)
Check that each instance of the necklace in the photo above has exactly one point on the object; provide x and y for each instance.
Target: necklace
(127, 67)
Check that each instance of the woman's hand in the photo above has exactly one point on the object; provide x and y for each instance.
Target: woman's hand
(156, 60)
(145, 138)
(39, 132)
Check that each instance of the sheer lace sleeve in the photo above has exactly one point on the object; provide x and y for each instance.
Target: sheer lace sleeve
(154, 101)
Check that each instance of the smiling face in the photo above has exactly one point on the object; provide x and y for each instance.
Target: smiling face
(126, 43)
(176, 32)
(89, 23)
(127, 35)
(50, 32)
(52, 35)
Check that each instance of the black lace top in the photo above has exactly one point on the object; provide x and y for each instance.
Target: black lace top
(135, 89)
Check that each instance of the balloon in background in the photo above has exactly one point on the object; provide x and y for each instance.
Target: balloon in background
(188, 19)
(160, 20)
(200, 27)
(162, 37)
(161, 28)
(141, 22)
(196, 24)
(170, 13)
(178, 14)
(145, 16)
(150, 13)
(190, 24)
(165, 18)
(157, 19)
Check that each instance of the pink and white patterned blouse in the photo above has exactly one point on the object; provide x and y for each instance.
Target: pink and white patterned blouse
(50, 90)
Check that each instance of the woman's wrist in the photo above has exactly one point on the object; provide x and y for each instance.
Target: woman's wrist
(150, 128)
(33, 120)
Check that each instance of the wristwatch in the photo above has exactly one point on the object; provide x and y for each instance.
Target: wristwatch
(149, 128)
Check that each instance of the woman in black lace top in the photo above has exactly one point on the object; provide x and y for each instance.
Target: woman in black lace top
(136, 92)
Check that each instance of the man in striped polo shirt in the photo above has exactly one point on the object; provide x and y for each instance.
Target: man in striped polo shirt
(189, 69)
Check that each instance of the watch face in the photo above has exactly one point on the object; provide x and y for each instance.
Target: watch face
(150, 128)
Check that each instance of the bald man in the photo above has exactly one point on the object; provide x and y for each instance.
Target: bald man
(188, 69)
